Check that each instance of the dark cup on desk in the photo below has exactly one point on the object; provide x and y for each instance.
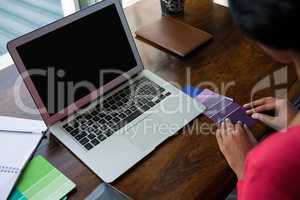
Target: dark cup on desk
(172, 7)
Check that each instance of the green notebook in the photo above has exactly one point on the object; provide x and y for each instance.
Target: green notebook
(41, 180)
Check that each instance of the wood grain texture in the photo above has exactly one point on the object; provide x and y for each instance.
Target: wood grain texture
(189, 165)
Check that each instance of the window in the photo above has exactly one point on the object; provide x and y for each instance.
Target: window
(22, 16)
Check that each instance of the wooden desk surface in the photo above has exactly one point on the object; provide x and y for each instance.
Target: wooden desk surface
(188, 166)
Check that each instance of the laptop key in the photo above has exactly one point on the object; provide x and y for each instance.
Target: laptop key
(91, 136)
(116, 119)
(124, 100)
(101, 115)
(103, 127)
(81, 121)
(90, 129)
(88, 146)
(108, 133)
(98, 132)
(84, 134)
(68, 128)
(157, 101)
(88, 116)
(114, 114)
(110, 124)
(111, 102)
(128, 112)
(117, 127)
(79, 137)
(120, 103)
(132, 117)
(101, 137)
(150, 104)
(144, 101)
(75, 124)
(95, 142)
(96, 126)
(89, 123)
(84, 141)
(161, 89)
(145, 107)
(133, 108)
(122, 115)
(94, 113)
(96, 118)
(107, 118)
(114, 107)
(75, 132)
(102, 121)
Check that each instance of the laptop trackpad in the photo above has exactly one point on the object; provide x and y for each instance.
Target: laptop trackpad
(148, 133)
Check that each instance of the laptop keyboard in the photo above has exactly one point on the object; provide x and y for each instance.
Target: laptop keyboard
(106, 118)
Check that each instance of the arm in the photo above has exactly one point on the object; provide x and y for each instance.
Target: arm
(267, 171)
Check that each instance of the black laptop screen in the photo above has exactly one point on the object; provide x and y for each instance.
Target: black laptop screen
(69, 62)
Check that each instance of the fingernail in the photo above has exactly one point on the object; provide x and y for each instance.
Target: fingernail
(248, 111)
(227, 120)
(254, 116)
(245, 105)
(239, 122)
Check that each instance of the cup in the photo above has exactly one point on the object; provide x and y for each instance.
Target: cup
(172, 7)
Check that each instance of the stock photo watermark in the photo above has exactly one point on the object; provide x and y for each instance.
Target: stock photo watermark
(61, 92)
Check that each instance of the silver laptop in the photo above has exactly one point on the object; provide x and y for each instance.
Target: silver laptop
(87, 79)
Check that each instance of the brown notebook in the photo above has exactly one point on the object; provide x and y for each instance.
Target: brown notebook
(173, 35)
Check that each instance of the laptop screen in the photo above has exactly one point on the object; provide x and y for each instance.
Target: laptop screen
(68, 63)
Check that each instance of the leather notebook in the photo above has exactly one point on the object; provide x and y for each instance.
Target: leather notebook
(173, 35)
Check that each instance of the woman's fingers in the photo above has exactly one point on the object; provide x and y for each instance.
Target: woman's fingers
(223, 129)
(219, 138)
(239, 127)
(229, 126)
(262, 108)
(259, 102)
(264, 118)
(247, 129)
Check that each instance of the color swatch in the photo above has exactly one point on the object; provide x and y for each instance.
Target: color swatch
(41, 180)
(219, 107)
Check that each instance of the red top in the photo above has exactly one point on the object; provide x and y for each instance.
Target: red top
(272, 169)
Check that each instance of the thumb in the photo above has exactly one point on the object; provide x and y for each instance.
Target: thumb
(264, 118)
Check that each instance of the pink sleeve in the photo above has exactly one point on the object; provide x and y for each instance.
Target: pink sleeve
(270, 170)
(239, 186)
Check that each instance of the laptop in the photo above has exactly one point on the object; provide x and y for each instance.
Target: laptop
(88, 82)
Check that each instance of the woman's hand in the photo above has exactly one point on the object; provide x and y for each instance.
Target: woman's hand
(235, 142)
(285, 112)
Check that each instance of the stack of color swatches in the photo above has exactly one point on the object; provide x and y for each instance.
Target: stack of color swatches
(41, 180)
(219, 107)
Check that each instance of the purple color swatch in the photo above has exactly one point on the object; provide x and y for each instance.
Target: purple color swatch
(219, 107)
(240, 115)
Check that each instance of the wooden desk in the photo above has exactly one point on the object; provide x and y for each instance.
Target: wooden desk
(188, 166)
